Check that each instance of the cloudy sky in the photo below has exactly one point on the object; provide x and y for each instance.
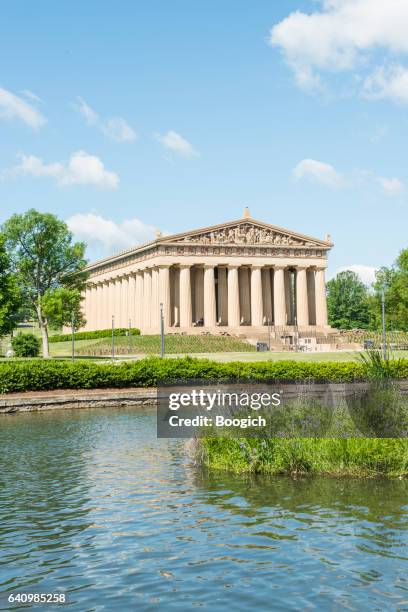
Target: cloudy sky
(123, 117)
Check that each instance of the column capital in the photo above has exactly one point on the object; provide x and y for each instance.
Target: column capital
(185, 266)
(301, 267)
(209, 266)
(163, 266)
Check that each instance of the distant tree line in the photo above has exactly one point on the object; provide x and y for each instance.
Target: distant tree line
(353, 305)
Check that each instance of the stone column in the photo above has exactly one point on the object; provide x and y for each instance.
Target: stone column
(147, 294)
(222, 296)
(321, 300)
(124, 302)
(279, 301)
(117, 300)
(186, 315)
(99, 305)
(164, 294)
(155, 308)
(256, 296)
(209, 297)
(139, 299)
(302, 305)
(105, 305)
(267, 294)
(233, 297)
(86, 306)
(244, 295)
(175, 289)
(111, 301)
(131, 300)
(198, 294)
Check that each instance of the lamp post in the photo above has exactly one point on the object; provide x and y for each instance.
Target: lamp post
(384, 333)
(73, 335)
(113, 337)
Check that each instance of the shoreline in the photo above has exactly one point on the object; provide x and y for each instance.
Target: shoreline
(59, 399)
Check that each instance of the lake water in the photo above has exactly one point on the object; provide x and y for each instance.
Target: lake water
(93, 505)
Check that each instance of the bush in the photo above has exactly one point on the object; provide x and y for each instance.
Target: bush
(93, 335)
(43, 375)
(26, 345)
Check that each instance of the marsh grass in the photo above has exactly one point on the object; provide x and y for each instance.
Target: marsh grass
(364, 457)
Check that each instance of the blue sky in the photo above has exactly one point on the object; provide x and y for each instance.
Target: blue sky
(174, 115)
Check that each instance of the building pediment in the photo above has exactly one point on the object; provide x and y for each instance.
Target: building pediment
(245, 232)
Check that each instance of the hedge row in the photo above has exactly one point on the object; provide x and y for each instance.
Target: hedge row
(38, 375)
(93, 335)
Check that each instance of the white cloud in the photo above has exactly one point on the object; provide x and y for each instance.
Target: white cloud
(88, 113)
(105, 236)
(29, 94)
(391, 186)
(365, 273)
(80, 169)
(14, 107)
(317, 171)
(173, 141)
(115, 128)
(341, 35)
(387, 82)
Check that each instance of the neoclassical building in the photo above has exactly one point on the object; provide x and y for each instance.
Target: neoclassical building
(236, 277)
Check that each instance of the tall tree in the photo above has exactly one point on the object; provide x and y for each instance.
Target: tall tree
(10, 295)
(347, 301)
(394, 282)
(45, 259)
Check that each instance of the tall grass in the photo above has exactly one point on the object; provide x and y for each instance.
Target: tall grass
(364, 457)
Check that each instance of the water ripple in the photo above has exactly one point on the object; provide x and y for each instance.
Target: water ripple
(93, 505)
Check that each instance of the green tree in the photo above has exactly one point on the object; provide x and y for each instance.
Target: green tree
(10, 295)
(45, 259)
(394, 281)
(348, 301)
(63, 305)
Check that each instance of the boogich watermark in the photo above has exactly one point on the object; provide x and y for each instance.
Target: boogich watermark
(184, 412)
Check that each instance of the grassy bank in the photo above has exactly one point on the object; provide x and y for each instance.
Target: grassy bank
(363, 457)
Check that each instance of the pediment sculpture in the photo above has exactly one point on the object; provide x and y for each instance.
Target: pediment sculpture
(245, 234)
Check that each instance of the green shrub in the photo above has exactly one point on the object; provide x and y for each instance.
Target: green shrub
(26, 345)
(38, 375)
(93, 335)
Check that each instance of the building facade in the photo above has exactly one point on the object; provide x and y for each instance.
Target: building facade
(236, 277)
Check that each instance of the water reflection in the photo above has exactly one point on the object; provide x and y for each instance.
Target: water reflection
(93, 504)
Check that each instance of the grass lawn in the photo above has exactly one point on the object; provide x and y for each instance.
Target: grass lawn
(93, 347)
(150, 345)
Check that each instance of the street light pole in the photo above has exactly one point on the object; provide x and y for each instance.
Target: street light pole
(384, 333)
(113, 337)
(73, 335)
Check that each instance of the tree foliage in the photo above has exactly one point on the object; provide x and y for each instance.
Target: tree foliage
(348, 301)
(45, 260)
(10, 295)
(394, 282)
(26, 345)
